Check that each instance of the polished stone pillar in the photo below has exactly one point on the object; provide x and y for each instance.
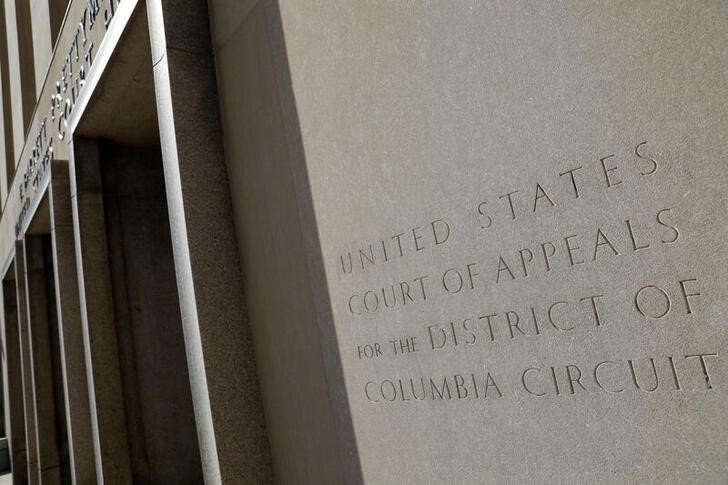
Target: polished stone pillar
(228, 411)
(75, 371)
(26, 366)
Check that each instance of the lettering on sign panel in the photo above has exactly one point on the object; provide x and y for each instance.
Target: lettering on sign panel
(78, 59)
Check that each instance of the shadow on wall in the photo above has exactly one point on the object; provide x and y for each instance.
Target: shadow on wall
(301, 377)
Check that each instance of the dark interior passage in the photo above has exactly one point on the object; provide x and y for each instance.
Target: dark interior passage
(15, 406)
(47, 376)
(56, 364)
(159, 417)
(136, 340)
